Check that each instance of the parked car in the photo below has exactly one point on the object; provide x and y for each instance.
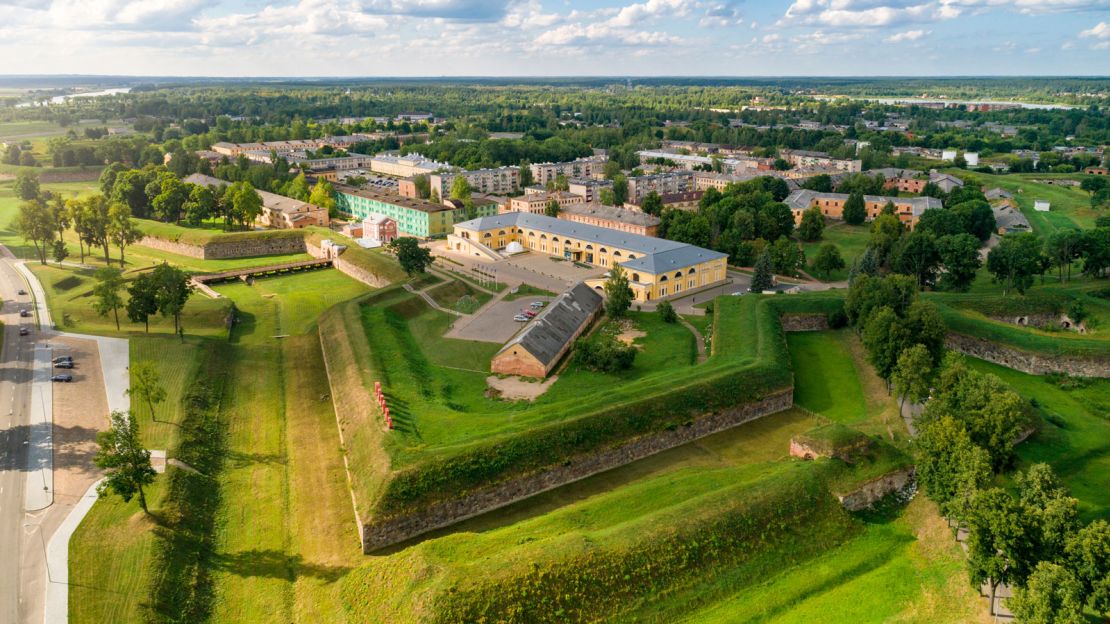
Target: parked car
(67, 364)
(528, 313)
(63, 358)
(23, 331)
(520, 318)
(62, 377)
(25, 313)
(536, 305)
(22, 292)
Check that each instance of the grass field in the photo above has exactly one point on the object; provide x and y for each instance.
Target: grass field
(460, 296)
(825, 376)
(851, 240)
(1071, 207)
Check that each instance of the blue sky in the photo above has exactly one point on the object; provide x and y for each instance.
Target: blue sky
(555, 37)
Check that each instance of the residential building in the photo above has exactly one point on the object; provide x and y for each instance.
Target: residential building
(657, 268)
(680, 201)
(587, 167)
(705, 180)
(620, 219)
(812, 160)
(406, 166)
(945, 182)
(1009, 219)
(668, 183)
(499, 181)
(278, 211)
(536, 203)
(541, 345)
(590, 189)
(414, 217)
(997, 194)
(908, 210)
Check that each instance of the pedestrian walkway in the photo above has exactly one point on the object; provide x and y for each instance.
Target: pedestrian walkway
(56, 610)
(38, 492)
(699, 340)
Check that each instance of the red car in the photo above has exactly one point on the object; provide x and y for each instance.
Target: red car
(528, 313)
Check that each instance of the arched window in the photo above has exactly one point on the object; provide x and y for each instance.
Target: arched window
(486, 235)
(603, 250)
(663, 279)
(554, 239)
(543, 236)
(635, 277)
(501, 233)
(678, 275)
(631, 257)
(589, 247)
(532, 234)
(691, 271)
(617, 254)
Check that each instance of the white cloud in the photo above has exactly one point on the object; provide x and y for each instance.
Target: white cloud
(1099, 31)
(888, 13)
(635, 13)
(325, 18)
(721, 14)
(909, 35)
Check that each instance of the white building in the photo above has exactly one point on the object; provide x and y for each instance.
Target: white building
(972, 159)
(1042, 205)
(948, 154)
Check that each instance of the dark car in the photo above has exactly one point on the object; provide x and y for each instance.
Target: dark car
(63, 358)
(23, 331)
(62, 377)
(25, 313)
(22, 292)
(68, 364)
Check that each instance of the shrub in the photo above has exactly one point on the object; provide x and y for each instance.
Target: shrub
(666, 312)
(838, 318)
(605, 354)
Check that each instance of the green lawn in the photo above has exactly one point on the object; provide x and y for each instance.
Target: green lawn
(825, 377)
(1071, 207)
(527, 290)
(302, 296)
(851, 240)
(460, 296)
(1075, 437)
(176, 362)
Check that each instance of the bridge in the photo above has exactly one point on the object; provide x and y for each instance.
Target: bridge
(201, 282)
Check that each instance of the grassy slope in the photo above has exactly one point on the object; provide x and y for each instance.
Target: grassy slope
(851, 240)
(1071, 207)
(1075, 438)
(825, 377)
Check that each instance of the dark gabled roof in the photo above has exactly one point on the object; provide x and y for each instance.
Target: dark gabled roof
(551, 330)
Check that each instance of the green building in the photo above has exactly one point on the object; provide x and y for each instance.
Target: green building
(414, 217)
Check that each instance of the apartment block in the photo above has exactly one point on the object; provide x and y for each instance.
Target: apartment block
(820, 160)
(670, 183)
(590, 189)
(499, 181)
(908, 210)
(588, 167)
(536, 203)
(406, 166)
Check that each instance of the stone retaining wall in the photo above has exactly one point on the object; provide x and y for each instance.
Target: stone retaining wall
(804, 322)
(874, 490)
(1027, 362)
(181, 249)
(392, 531)
(241, 248)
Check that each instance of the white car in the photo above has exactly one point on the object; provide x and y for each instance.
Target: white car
(521, 318)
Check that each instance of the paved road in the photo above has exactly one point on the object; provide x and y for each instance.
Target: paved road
(15, 390)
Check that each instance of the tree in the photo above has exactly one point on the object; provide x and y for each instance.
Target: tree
(244, 203)
(552, 209)
(1014, 261)
(423, 186)
(142, 302)
(200, 206)
(855, 210)
(950, 467)
(1088, 555)
(173, 290)
(884, 336)
(868, 293)
(1093, 184)
(121, 230)
(620, 190)
(959, 255)
(561, 183)
(886, 232)
(36, 224)
(413, 258)
(940, 222)
(26, 185)
(916, 255)
(169, 203)
(827, 260)
(652, 204)
(812, 225)
(618, 293)
(787, 256)
(1052, 595)
(977, 217)
(297, 188)
(1096, 251)
(1062, 248)
(607, 197)
(125, 462)
(146, 385)
(323, 195)
(460, 189)
(109, 283)
(998, 543)
(763, 278)
(912, 374)
(666, 312)
(822, 183)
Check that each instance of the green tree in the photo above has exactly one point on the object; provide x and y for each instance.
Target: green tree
(1052, 595)
(323, 195)
(460, 189)
(244, 202)
(886, 232)
(552, 209)
(1088, 555)
(959, 255)
(812, 225)
(620, 190)
(173, 290)
(36, 225)
(652, 204)
(1092, 184)
(125, 462)
(763, 278)
(169, 203)
(121, 230)
(884, 336)
(561, 183)
(827, 260)
(423, 186)
(855, 209)
(916, 255)
(109, 283)
(998, 540)
(413, 258)
(950, 467)
(868, 293)
(142, 300)
(1063, 247)
(618, 293)
(912, 375)
(26, 185)
(1014, 261)
(297, 188)
(787, 256)
(200, 206)
(146, 385)
(666, 312)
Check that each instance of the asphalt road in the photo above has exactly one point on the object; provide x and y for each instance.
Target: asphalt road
(16, 359)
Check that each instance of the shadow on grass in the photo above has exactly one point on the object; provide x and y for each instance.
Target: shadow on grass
(275, 564)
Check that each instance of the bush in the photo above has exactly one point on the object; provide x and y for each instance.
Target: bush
(837, 319)
(605, 354)
(666, 312)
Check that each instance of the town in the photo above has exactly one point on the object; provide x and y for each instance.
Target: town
(556, 349)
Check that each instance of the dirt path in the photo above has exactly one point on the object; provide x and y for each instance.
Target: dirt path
(699, 340)
(517, 389)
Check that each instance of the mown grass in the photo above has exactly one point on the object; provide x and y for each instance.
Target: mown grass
(527, 290)
(825, 376)
(451, 296)
(851, 240)
(176, 363)
(1070, 206)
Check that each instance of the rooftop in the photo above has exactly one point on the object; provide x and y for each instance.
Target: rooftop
(553, 328)
(391, 198)
(803, 198)
(611, 213)
(271, 201)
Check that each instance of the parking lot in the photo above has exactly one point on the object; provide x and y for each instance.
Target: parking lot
(494, 323)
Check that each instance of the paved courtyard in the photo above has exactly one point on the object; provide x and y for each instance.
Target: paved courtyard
(494, 322)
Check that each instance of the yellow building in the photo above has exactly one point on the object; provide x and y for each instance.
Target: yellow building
(657, 268)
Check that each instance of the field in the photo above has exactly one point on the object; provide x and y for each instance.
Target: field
(851, 240)
(1071, 207)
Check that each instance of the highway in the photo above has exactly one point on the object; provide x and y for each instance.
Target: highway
(16, 358)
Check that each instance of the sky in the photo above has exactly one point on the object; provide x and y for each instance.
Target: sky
(555, 37)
